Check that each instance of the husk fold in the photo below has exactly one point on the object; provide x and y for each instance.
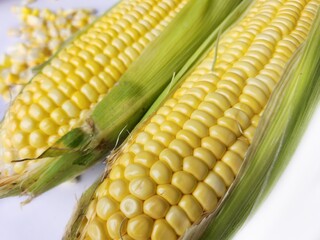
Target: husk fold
(279, 132)
(126, 103)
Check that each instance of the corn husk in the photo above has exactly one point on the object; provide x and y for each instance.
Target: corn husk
(278, 135)
(112, 119)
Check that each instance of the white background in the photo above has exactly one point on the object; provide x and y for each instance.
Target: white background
(292, 211)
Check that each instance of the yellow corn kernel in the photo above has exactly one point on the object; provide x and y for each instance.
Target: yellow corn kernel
(140, 227)
(144, 158)
(154, 147)
(142, 187)
(162, 230)
(224, 172)
(152, 128)
(91, 211)
(178, 220)
(19, 139)
(96, 230)
(233, 160)
(203, 117)
(48, 126)
(224, 135)
(159, 119)
(189, 137)
(196, 127)
(172, 158)
(205, 155)
(117, 225)
(214, 145)
(118, 189)
(191, 207)
(28, 124)
(181, 147)
(196, 167)
(163, 137)
(131, 206)
(156, 207)
(135, 170)
(239, 116)
(106, 207)
(216, 183)
(167, 126)
(177, 118)
(37, 139)
(161, 173)
(19, 167)
(184, 181)
(169, 193)
(205, 196)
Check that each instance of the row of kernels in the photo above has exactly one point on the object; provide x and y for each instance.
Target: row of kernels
(282, 21)
(274, 75)
(244, 38)
(285, 49)
(140, 227)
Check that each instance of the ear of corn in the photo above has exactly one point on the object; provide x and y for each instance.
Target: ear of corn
(277, 138)
(181, 162)
(97, 62)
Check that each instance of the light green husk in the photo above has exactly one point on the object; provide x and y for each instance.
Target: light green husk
(75, 223)
(126, 103)
(278, 135)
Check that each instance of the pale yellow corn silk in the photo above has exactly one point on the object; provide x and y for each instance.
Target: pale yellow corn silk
(41, 32)
(182, 161)
(62, 94)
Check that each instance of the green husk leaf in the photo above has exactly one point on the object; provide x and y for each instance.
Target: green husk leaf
(278, 134)
(123, 107)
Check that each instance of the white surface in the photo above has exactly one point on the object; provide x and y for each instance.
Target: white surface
(291, 212)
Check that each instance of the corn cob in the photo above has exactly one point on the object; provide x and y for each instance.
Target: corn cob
(59, 98)
(182, 161)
